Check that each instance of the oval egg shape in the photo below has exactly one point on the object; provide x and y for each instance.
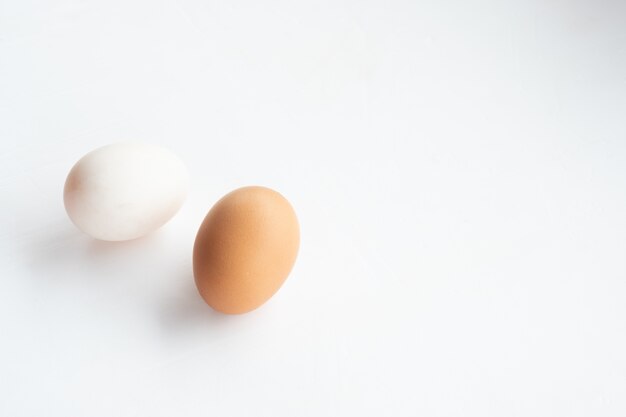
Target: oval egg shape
(125, 190)
(245, 249)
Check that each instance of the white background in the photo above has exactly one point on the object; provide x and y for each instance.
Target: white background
(458, 168)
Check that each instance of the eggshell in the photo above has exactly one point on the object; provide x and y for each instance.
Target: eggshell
(125, 190)
(245, 249)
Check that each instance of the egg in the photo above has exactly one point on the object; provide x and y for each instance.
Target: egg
(125, 190)
(245, 249)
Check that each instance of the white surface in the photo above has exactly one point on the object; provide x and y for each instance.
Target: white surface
(459, 170)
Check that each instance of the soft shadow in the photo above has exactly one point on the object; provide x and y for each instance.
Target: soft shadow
(187, 313)
(55, 246)
(103, 248)
(62, 252)
(62, 255)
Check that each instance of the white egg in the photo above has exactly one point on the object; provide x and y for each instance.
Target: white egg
(125, 190)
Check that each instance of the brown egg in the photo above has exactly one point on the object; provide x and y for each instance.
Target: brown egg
(245, 249)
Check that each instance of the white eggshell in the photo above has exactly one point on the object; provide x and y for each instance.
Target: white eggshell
(125, 190)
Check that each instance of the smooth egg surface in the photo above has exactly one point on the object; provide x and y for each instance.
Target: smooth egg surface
(245, 249)
(125, 190)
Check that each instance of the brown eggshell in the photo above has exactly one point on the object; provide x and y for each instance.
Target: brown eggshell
(245, 249)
